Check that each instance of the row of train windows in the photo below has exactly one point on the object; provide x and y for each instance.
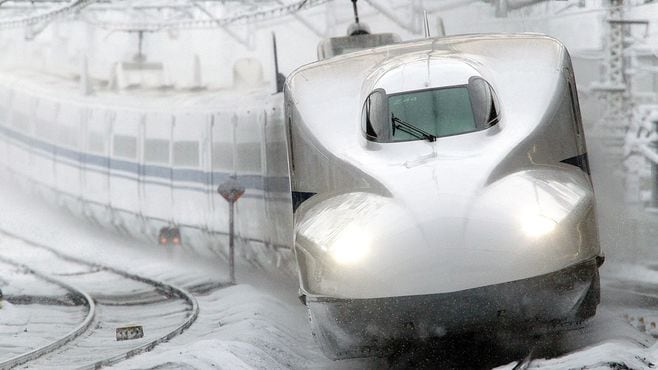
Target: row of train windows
(186, 153)
(157, 151)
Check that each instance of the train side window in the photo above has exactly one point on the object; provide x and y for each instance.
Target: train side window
(68, 136)
(96, 143)
(222, 156)
(44, 129)
(249, 157)
(277, 150)
(125, 146)
(574, 107)
(4, 107)
(20, 121)
(375, 117)
(5, 115)
(186, 153)
(156, 151)
(483, 102)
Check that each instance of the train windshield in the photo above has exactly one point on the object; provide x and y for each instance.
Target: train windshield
(431, 113)
(439, 112)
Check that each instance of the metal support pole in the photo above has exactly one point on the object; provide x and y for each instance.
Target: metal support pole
(615, 88)
(231, 190)
(231, 245)
(654, 173)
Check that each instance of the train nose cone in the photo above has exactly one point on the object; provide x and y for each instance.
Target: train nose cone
(364, 245)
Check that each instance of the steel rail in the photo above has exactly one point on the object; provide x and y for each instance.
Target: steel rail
(524, 363)
(76, 332)
(170, 289)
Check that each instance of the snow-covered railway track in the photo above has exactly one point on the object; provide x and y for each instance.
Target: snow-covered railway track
(122, 299)
(63, 302)
(523, 363)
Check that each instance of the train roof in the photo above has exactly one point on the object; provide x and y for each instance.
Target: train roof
(522, 68)
(67, 90)
(482, 51)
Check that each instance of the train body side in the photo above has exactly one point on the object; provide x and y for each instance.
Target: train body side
(140, 169)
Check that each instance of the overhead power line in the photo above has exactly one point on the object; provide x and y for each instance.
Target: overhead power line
(47, 16)
(217, 22)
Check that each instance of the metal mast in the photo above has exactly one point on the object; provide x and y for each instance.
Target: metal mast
(615, 88)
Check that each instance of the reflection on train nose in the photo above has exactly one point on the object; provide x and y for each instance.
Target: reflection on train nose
(351, 246)
(537, 225)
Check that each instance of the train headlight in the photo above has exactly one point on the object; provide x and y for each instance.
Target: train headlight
(350, 247)
(534, 225)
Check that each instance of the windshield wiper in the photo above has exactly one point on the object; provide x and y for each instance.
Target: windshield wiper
(411, 129)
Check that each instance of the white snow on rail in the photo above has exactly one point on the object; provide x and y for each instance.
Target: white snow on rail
(77, 331)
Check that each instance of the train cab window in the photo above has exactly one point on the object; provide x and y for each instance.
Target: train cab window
(429, 113)
(186, 153)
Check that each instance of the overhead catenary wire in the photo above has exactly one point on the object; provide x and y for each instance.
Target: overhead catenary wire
(560, 14)
(217, 22)
(49, 16)
(151, 26)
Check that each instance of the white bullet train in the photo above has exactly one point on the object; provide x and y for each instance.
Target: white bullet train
(440, 186)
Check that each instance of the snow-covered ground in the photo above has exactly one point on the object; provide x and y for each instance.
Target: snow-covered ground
(258, 323)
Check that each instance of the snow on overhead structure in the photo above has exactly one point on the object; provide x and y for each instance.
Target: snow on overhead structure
(139, 74)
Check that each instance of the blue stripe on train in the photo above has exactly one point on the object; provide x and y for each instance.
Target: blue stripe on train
(258, 182)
